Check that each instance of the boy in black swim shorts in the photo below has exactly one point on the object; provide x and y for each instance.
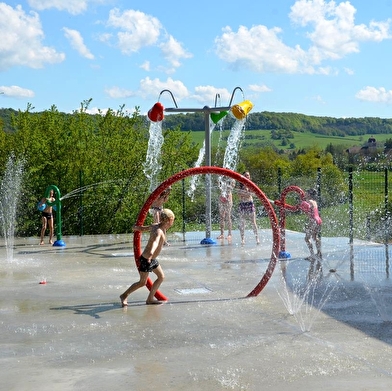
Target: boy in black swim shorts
(147, 262)
(147, 266)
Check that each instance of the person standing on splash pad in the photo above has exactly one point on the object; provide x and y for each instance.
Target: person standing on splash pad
(47, 217)
(147, 261)
(247, 210)
(313, 225)
(225, 206)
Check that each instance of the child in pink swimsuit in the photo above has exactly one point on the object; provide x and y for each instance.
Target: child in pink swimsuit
(313, 225)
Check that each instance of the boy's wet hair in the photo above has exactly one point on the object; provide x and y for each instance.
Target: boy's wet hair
(311, 193)
(167, 214)
(167, 190)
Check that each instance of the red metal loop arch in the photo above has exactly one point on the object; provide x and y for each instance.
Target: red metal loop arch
(281, 203)
(224, 172)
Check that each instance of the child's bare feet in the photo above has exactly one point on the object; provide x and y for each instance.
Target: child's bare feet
(41, 243)
(154, 301)
(220, 237)
(124, 301)
(50, 241)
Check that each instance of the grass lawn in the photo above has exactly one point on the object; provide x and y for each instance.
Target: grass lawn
(300, 140)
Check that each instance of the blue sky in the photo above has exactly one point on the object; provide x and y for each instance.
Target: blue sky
(316, 57)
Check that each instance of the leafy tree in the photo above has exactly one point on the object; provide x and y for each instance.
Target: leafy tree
(263, 165)
(95, 160)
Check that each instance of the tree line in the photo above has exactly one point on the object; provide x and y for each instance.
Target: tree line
(290, 122)
(283, 122)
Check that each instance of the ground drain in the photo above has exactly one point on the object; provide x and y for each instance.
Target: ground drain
(192, 291)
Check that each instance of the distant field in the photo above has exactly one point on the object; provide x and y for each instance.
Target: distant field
(300, 140)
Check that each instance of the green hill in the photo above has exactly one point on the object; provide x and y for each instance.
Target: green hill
(299, 140)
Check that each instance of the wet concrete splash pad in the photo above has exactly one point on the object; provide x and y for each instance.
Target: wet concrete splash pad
(72, 334)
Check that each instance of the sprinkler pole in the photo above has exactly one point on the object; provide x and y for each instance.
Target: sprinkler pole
(207, 114)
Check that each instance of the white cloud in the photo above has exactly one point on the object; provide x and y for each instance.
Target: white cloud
(21, 39)
(145, 66)
(76, 41)
(74, 7)
(335, 33)
(173, 51)
(149, 87)
(259, 49)
(105, 38)
(137, 29)
(118, 92)
(259, 88)
(209, 94)
(327, 70)
(373, 94)
(103, 111)
(332, 35)
(349, 71)
(16, 92)
(318, 98)
(96, 110)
